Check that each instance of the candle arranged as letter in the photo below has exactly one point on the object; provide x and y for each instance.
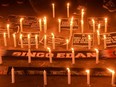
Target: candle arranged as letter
(36, 41)
(21, 24)
(8, 30)
(45, 77)
(97, 56)
(68, 4)
(59, 25)
(53, 9)
(14, 39)
(69, 76)
(21, 40)
(88, 76)
(89, 41)
(12, 75)
(5, 41)
(73, 56)
(50, 54)
(53, 40)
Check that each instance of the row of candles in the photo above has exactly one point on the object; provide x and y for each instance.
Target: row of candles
(68, 76)
(53, 10)
(59, 25)
(53, 40)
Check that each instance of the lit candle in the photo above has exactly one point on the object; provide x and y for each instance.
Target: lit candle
(113, 77)
(53, 9)
(89, 41)
(82, 20)
(97, 56)
(59, 25)
(45, 77)
(82, 26)
(0, 59)
(104, 41)
(36, 41)
(93, 22)
(45, 24)
(45, 41)
(82, 14)
(21, 40)
(67, 42)
(69, 76)
(68, 4)
(50, 54)
(29, 55)
(12, 75)
(99, 26)
(53, 40)
(88, 76)
(21, 24)
(8, 30)
(106, 23)
(29, 41)
(98, 37)
(5, 41)
(14, 40)
(73, 56)
(71, 26)
(40, 25)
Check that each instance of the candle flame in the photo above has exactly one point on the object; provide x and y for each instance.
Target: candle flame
(53, 4)
(49, 49)
(98, 32)
(112, 71)
(44, 19)
(4, 34)
(52, 35)
(36, 36)
(71, 21)
(99, 26)
(68, 69)
(59, 20)
(67, 41)
(104, 36)
(93, 21)
(21, 36)
(106, 19)
(68, 5)
(96, 50)
(21, 19)
(72, 49)
(87, 71)
(44, 36)
(8, 25)
(13, 34)
(28, 35)
(40, 20)
(82, 22)
(82, 12)
(89, 37)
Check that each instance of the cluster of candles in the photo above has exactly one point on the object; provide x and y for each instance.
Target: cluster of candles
(68, 76)
(53, 36)
(59, 29)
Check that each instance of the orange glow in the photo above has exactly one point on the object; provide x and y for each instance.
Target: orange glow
(21, 19)
(89, 37)
(96, 50)
(88, 71)
(110, 70)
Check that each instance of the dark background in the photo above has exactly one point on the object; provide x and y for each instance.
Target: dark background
(43, 7)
